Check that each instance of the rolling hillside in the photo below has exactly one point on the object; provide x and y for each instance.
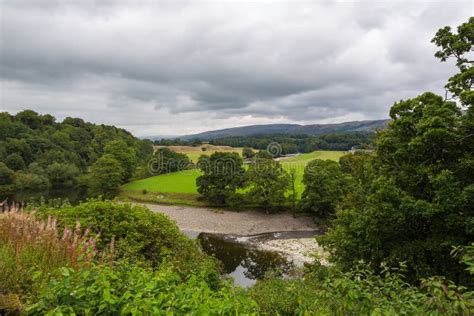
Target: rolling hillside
(314, 129)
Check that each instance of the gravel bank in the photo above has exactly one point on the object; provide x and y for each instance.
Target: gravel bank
(228, 222)
(298, 250)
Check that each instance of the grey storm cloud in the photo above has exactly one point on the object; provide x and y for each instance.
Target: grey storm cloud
(180, 67)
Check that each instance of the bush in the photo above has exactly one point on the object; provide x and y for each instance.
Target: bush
(327, 291)
(128, 289)
(31, 250)
(141, 236)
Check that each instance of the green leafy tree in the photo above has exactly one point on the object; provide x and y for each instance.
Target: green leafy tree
(62, 174)
(15, 162)
(223, 175)
(106, 176)
(264, 154)
(124, 154)
(6, 178)
(29, 118)
(458, 46)
(325, 186)
(166, 161)
(247, 153)
(421, 201)
(293, 194)
(266, 184)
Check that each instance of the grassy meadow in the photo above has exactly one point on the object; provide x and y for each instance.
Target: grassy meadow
(207, 149)
(180, 187)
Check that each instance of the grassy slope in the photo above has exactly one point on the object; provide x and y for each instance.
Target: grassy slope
(195, 152)
(299, 163)
(180, 187)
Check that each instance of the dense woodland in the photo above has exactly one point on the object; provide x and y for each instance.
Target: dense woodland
(400, 236)
(37, 153)
(289, 143)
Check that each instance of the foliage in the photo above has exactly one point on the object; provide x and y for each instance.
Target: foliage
(62, 174)
(266, 183)
(128, 289)
(325, 186)
(419, 201)
(327, 291)
(248, 152)
(125, 155)
(301, 143)
(141, 236)
(31, 181)
(6, 178)
(458, 46)
(32, 250)
(222, 176)
(15, 162)
(62, 151)
(167, 161)
(105, 177)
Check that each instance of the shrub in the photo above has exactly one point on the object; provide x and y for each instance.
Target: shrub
(327, 291)
(127, 289)
(141, 236)
(30, 248)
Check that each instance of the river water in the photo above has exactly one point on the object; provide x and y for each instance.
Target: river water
(240, 257)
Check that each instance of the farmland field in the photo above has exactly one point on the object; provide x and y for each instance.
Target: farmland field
(299, 162)
(184, 182)
(195, 152)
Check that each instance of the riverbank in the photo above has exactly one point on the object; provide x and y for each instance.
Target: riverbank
(250, 223)
(245, 223)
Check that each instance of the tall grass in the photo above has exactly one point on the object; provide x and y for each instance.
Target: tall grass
(31, 250)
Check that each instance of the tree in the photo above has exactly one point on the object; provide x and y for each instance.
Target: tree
(293, 196)
(62, 174)
(460, 47)
(106, 176)
(420, 204)
(247, 153)
(15, 162)
(124, 154)
(166, 161)
(222, 176)
(325, 186)
(266, 184)
(6, 178)
(264, 154)
(29, 118)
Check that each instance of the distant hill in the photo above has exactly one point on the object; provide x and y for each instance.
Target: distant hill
(314, 129)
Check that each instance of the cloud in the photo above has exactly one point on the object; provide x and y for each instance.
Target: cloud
(180, 67)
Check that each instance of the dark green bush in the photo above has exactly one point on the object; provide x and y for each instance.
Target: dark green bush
(130, 290)
(327, 291)
(141, 236)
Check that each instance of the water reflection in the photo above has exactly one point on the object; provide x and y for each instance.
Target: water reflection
(73, 195)
(242, 262)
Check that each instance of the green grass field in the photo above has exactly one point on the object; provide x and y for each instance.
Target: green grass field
(195, 152)
(176, 182)
(174, 186)
(299, 163)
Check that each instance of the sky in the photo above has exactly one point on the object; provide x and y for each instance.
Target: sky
(182, 67)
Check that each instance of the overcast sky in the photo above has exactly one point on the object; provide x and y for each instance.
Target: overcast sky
(180, 67)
